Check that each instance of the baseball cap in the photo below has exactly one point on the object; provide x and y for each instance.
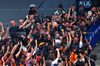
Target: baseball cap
(32, 5)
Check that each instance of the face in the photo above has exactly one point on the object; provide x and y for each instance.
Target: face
(81, 8)
(60, 9)
(75, 40)
(86, 14)
(34, 31)
(13, 61)
(31, 17)
(67, 24)
(66, 14)
(33, 8)
(13, 23)
(73, 7)
(94, 9)
(83, 23)
(21, 21)
(74, 26)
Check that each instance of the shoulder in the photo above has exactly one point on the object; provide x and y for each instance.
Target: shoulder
(56, 12)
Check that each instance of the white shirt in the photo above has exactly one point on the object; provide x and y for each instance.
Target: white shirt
(80, 44)
(89, 14)
(54, 62)
(57, 41)
(24, 49)
(57, 13)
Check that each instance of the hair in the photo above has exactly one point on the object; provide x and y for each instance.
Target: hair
(25, 41)
(88, 39)
(48, 62)
(22, 60)
(80, 63)
(51, 57)
(73, 47)
(94, 57)
(50, 47)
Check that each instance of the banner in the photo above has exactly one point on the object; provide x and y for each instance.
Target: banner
(95, 33)
(86, 3)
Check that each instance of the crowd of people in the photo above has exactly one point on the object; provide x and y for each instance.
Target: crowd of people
(57, 40)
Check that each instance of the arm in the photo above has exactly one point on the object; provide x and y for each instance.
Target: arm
(3, 62)
(69, 38)
(48, 27)
(66, 61)
(90, 47)
(5, 55)
(36, 46)
(58, 53)
(69, 13)
(53, 42)
(24, 23)
(27, 50)
(13, 50)
(29, 46)
(32, 50)
(29, 24)
(72, 61)
(19, 50)
(81, 44)
(6, 34)
(1, 25)
(30, 32)
(44, 62)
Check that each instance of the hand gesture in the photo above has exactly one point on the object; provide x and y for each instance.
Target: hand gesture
(57, 49)
(7, 28)
(36, 41)
(33, 20)
(1, 25)
(26, 16)
(70, 9)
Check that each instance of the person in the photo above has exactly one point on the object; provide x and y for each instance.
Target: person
(81, 10)
(32, 10)
(60, 10)
(60, 43)
(26, 29)
(14, 28)
(93, 9)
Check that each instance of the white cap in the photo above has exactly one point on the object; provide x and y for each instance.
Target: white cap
(32, 5)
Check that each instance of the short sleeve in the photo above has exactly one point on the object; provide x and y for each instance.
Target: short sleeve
(54, 62)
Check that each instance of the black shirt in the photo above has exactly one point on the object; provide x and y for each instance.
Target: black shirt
(13, 31)
(32, 11)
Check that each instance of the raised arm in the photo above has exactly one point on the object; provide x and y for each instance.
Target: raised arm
(30, 32)
(3, 62)
(19, 50)
(5, 55)
(1, 25)
(32, 50)
(36, 46)
(67, 39)
(24, 23)
(29, 46)
(58, 53)
(70, 38)
(33, 20)
(81, 44)
(6, 35)
(48, 27)
(69, 13)
(13, 50)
